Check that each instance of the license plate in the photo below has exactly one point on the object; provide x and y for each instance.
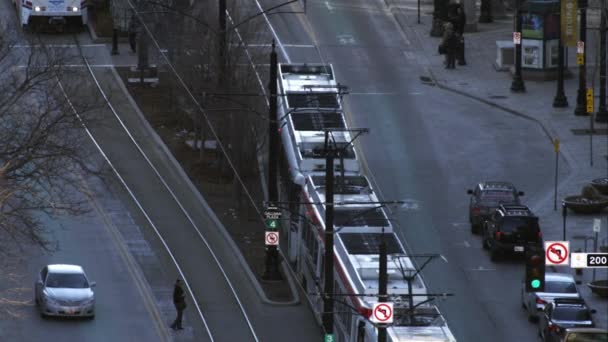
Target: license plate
(519, 248)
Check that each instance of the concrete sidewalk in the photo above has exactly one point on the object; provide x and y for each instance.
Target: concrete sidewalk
(480, 81)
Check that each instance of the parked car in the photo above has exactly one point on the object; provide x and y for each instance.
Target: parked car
(64, 290)
(511, 229)
(557, 285)
(561, 314)
(585, 335)
(486, 197)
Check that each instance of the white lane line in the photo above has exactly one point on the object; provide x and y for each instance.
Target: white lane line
(144, 212)
(214, 133)
(482, 269)
(329, 7)
(444, 258)
(274, 33)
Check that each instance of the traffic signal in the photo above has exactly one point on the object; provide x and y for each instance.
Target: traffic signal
(535, 273)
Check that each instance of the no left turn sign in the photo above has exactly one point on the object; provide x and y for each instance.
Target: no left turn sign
(557, 253)
(382, 313)
(272, 238)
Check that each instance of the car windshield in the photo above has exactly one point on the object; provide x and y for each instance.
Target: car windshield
(560, 287)
(571, 314)
(67, 280)
(587, 337)
(522, 225)
(494, 198)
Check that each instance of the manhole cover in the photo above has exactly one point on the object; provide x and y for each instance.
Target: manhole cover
(498, 97)
(586, 131)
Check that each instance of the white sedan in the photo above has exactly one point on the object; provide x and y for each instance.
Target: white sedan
(557, 285)
(64, 290)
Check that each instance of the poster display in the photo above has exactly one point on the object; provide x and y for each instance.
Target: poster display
(532, 54)
(532, 25)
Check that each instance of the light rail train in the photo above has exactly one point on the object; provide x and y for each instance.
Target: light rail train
(56, 13)
(309, 104)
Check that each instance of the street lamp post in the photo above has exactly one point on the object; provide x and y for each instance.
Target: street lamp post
(382, 283)
(560, 99)
(517, 85)
(581, 106)
(602, 114)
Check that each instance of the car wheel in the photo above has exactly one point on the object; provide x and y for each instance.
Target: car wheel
(532, 318)
(43, 315)
(484, 242)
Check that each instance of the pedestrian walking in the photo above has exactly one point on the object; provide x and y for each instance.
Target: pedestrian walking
(450, 45)
(133, 28)
(459, 20)
(179, 300)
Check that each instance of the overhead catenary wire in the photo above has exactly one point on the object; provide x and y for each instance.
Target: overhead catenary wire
(172, 193)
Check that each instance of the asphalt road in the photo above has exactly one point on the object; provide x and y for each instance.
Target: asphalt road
(428, 145)
(125, 309)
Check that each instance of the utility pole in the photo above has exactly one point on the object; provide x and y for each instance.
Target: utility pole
(581, 102)
(382, 284)
(273, 133)
(517, 85)
(328, 303)
(222, 37)
(560, 99)
(272, 252)
(602, 115)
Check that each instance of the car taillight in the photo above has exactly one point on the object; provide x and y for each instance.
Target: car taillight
(540, 301)
(554, 328)
(497, 235)
(476, 211)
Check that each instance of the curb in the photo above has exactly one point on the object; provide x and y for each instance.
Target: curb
(204, 203)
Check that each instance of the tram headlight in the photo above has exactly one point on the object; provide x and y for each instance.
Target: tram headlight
(74, 9)
(37, 8)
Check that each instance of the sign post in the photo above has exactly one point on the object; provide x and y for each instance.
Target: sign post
(557, 253)
(556, 146)
(597, 225)
(272, 217)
